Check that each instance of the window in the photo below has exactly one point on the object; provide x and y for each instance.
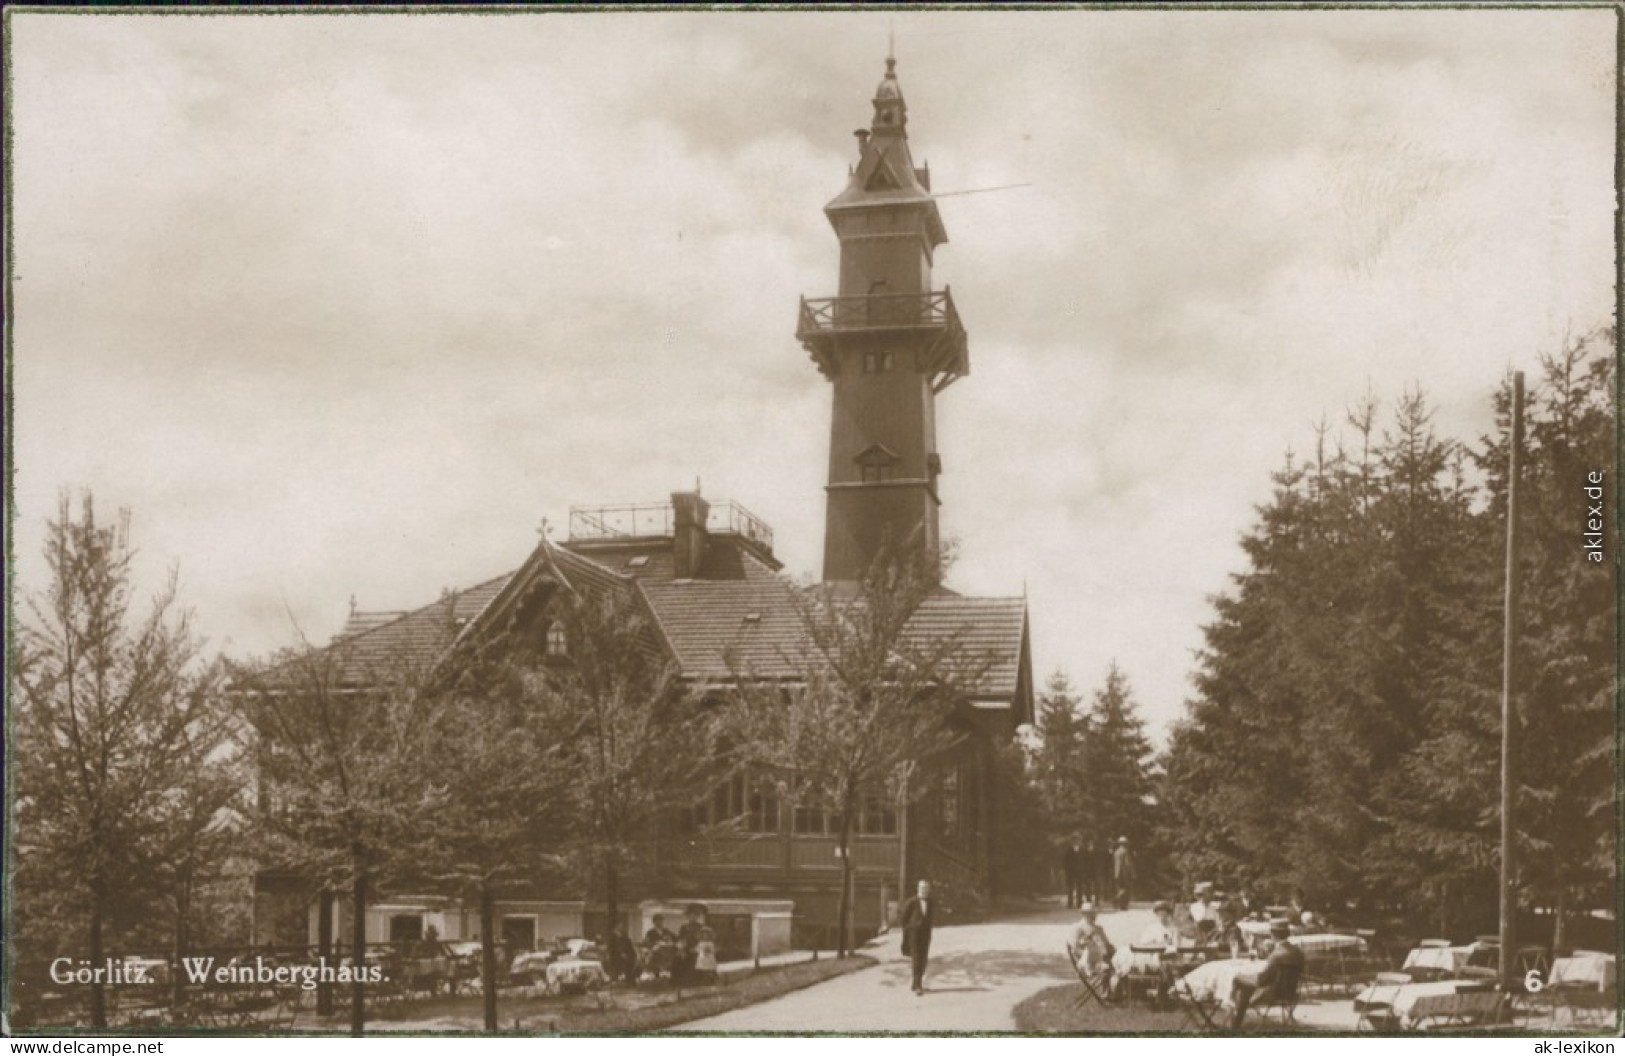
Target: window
(755, 803)
(877, 819)
(877, 362)
(764, 809)
(874, 818)
(948, 800)
(558, 644)
(812, 821)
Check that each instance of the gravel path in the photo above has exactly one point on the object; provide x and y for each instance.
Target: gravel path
(978, 974)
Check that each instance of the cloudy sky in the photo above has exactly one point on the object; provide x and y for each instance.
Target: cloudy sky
(346, 305)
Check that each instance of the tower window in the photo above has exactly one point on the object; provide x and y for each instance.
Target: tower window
(877, 362)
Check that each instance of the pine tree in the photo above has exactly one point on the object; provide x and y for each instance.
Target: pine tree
(108, 710)
(1058, 769)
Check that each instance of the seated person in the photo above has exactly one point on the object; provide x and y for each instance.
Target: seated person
(1160, 935)
(1229, 926)
(688, 938)
(1089, 947)
(705, 954)
(1277, 981)
(659, 934)
(1202, 908)
(621, 961)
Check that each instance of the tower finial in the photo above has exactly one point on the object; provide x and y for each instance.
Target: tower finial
(891, 43)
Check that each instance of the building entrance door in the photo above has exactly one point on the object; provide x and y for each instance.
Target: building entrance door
(518, 934)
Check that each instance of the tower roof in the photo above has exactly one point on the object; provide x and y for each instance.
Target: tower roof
(885, 174)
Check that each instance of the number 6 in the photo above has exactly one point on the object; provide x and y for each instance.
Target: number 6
(1532, 981)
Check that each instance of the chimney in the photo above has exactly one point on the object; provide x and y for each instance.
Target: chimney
(689, 513)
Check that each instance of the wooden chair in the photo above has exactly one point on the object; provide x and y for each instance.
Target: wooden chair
(1281, 998)
(1469, 1008)
(1377, 1015)
(1198, 1012)
(1096, 985)
(1580, 1006)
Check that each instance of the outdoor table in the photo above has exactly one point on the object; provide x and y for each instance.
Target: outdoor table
(1328, 942)
(532, 964)
(1212, 981)
(1586, 969)
(1415, 1003)
(575, 975)
(1254, 932)
(1448, 960)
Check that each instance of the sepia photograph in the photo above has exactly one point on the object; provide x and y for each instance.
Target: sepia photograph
(557, 521)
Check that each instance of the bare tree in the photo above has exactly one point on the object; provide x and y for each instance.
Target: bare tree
(340, 752)
(495, 779)
(638, 746)
(109, 707)
(869, 704)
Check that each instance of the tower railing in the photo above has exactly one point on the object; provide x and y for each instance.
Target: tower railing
(877, 311)
(826, 323)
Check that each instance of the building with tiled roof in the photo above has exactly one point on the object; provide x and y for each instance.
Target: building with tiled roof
(719, 606)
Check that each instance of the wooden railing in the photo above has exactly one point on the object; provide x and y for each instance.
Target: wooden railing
(878, 311)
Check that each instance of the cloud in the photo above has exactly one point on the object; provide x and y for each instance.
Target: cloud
(348, 304)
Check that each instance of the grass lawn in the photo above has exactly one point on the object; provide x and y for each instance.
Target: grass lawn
(618, 1011)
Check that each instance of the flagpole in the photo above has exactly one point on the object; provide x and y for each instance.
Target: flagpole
(1509, 710)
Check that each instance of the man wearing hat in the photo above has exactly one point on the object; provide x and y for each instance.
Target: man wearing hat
(1123, 872)
(1091, 950)
(1276, 982)
(1202, 908)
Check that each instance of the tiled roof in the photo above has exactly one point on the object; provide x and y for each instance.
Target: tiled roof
(415, 638)
(361, 622)
(990, 632)
(703, 622)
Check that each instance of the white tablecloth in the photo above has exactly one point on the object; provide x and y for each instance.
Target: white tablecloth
(575, 973)
(1585, 969)
(1450, 959)
(1414, 1002)
(1212, 980)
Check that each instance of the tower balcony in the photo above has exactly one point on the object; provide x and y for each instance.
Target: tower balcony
(928, 321)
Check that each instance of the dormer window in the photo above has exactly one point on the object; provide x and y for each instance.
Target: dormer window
(876, 462)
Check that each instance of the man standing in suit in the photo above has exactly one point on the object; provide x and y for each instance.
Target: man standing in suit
(1123, 872)
(919, 913)
(1074, 862)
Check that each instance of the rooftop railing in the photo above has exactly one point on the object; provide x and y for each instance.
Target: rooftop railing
(659, 520)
